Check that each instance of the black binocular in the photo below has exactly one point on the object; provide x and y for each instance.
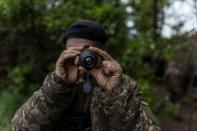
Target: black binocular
(87, 58)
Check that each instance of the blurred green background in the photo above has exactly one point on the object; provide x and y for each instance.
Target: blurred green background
(31, 33)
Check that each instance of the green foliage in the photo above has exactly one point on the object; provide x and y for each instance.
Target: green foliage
(138, 58)
(143, 15)
(17, 91)
(148, 93)
(170, 111)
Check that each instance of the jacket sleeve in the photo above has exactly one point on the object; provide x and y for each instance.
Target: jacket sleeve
(44, 107)
(125, 109)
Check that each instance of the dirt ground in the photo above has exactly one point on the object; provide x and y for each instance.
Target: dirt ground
(186, 119)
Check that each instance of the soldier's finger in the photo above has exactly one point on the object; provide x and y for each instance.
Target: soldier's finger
(111, 66)
(78, 48)
(107, 67)
(63, 58)
(77, 60)
(102, 53)
(70, 51)
(69, 55)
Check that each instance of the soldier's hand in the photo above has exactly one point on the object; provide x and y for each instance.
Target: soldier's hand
(109, 74)
(67, 64)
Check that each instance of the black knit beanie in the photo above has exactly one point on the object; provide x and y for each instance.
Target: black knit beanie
(86, 29)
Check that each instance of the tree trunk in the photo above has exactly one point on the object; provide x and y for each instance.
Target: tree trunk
(155, 19)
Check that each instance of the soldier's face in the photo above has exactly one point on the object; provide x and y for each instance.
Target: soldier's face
(75, 42)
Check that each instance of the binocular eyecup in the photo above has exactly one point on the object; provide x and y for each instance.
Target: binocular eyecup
(88, 58)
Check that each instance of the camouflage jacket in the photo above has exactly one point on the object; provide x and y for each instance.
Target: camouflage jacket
(121, 109)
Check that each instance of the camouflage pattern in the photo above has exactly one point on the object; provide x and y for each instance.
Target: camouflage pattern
(121, 109)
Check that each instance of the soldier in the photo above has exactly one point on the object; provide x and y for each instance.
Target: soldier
(115, 104)
(172, 79)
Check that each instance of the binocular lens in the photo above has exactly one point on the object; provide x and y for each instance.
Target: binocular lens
(88, 61)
